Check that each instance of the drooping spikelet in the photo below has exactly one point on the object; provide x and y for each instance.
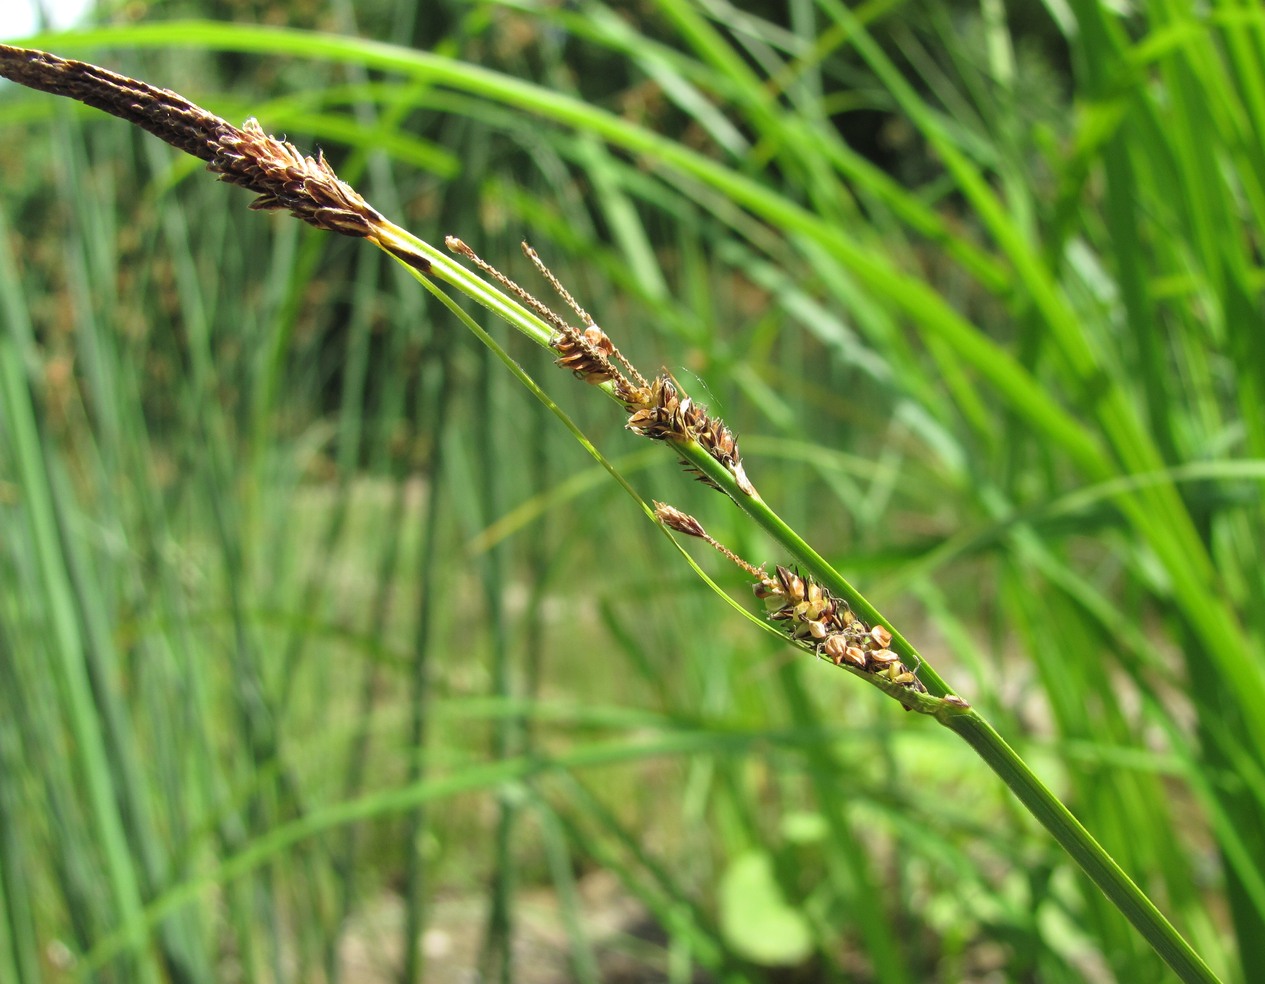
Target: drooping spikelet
(275, 170)
(682, 522)
(813, 617)
(810, 615)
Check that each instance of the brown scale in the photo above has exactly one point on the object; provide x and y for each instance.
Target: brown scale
(586, 354)
(307, 187)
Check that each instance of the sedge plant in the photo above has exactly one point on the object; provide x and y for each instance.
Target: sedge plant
(810, 604)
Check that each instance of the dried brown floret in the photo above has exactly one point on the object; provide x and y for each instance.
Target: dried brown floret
(674, 519)
(586, 353)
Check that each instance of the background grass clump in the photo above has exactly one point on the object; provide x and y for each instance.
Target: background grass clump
(318, 635)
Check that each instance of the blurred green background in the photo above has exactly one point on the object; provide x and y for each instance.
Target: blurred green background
(327, 655)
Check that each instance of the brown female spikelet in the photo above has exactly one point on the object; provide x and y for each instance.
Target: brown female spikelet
(588, 353)
(813, 617)
(663, 412)
(658, 409)
(682, 522)
(810, 615)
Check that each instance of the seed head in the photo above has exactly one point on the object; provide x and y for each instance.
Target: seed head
(282, 177)
(674, 519)
(662, 411)
(814, 618)
(808, 614)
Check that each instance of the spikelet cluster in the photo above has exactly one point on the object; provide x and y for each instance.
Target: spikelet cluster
(810, 615)
(814, 618)
(307, 187)
(662, 411)
(658, 409)
(284, 178)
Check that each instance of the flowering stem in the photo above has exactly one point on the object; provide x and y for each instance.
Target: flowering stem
(963, 720)
(307, 187)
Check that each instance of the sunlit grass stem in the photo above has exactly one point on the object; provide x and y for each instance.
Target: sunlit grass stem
(285, 179)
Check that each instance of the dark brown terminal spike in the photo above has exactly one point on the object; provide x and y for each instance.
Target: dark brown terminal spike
(166, 114)
(275, 170)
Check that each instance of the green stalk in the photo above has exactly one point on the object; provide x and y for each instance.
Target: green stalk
(964, 721)
(269, 167)
(1078, 842)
